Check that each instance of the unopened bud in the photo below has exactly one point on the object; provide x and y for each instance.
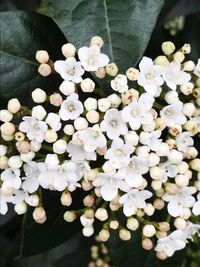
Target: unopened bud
(44, 70)
(68, 50)
(39, 215)
(42, 56)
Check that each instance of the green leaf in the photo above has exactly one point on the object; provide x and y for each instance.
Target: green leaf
(125, 25)
(131, 254)
(22, 34)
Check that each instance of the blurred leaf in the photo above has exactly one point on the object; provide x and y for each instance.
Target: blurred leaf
(125, 25)
(29, 32)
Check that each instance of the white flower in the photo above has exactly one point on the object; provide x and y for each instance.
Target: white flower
(134, 200)
(53, 120)
(3, 202)
(31, 181)
(138, 112)
(69, 69)
(173, 75)
(92, 138)
(11, 179)
(119, 83)
(182, 199)
(34, 129)
(113, 124)
(151, 139)
(133, 172)
(184, 140)
(119, 154)
(150, 76)
(168, 170)
(196, 207)
(91, 58)
(77, 152)
(109, 185)
(71, 108)
(197, 69)
(172, 114)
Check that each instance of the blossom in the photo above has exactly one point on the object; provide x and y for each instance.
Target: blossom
(196, 207)
(172, 114)
(119, 83)
(138, 112)
(4, 199)
(168, 170)
(109, 185)
(173, 75)
(71, 108)
(69, 69)
(113, 124)
(184, 140)
(91, 58)
(78, 153)
(182, 199)
(34, 129)
(11, 179)
(134, 200)
(31, 181)
(150, 76)
(119, 154)
(151, 139)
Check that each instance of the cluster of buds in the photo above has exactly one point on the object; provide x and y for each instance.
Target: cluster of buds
(133, 150)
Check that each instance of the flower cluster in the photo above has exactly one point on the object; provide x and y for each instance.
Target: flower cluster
(132, 150)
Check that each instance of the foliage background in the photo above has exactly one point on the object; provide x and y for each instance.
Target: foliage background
(62, 245)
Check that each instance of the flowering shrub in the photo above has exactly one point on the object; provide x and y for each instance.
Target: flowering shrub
(133, 151)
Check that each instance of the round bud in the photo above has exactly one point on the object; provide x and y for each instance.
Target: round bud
(132, 224)
(189, 65)
(171, 97)
(100, 73)
(186, 213)
(7, 137)
(80, 123)
(87, 85)
(129, 96)
(19, 136)
(115, 100)
(42, 56)
(162, 61)
(104, 235)
(23, 147)
(161, 255)
(171, 188)
(163, 226)
(33, 200)
(168, 48)
(114, 224)
(142, 151)
(68, 50)
(86, 185)
(180, 223)
(3, 150)
(154, 159)
(92, 116)
(96, 40)
(187, 88)
(156, 184)
(60, 146)
(67, 88)
(179, 57)
(35, 146)
(5, 115)
(175, 156)
(86, 221)
(149, 209)
(181, 180)
(112, 69)
(124, 234)
(39, 95)
(50, 136)
(191, 126)
(101, 214)
(132, 74)
(7, 128)
(186, 49)
(91, 175)
(150, 127)
(88, 231)
(39, 112)
(131, 138)
(195, 165)
(90, 104)
(104, 104)
(147, 244)
(27, 157)
(44, 70)
(88, 201)
(182, 167)
(159, 204)
(39, 215)
(15, 162)
(20, 208)
(156, 172)
(149, 230)
(3, 162)
(69, 216)
(160, 124)
(188, 109)
(56, 99)
(191, 153)
(66, 198)
(69, 129)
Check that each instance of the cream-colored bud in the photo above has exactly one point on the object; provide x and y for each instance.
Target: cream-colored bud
(104, 104)
(3, 162)
(171, 188)
(90, 104)
(66, 199)
(156, 172)
(124, 234)
(163, 226)
(160, 124)
(115, 100)
(68, 50)
(44, 70)
(186, 49)
(179, 57)
(180, 223)
(100, 73)
(114, 224)
(149, 209)
(15, 162)
(7, 128)
(23, 147)
(149, 230)
(196, 92)
(88, 231)
(188, 109)
(88, 201)
(97, 40)
(80, 123)
(91, 175)
(104, 235)
(182, 167)
(132, 74)
(161, 255)
(50, 136)
(69, 216)
(112, 69)
(175, 156)
(67, 88)
(5, 115)
(147, 244)
(159, 204)
(186, 213)
(39, 95)
(191, 126)
(68, 129)
(191, 153)
(19, 136)
(7, 137)
(181, 180)
(42, 56)
(132, 224)
(39, 215)
(87, 85)
(162, 61)
(189, 65)
(86, 185)
(168, 48)
(55, 99)
(101, 214)
(156, 184)
(187, 88)
(140, 213)
(20, 208)
(171, 97)
(195, 165)
(154, 159)
(92, 116)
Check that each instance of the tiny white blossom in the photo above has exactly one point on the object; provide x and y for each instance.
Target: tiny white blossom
(151, 139)
(3, 202)
(184, 140)
(168, 170)
(196, 207)
(119, 83)
(78, 153)
(31, 181)
(69, 69)
(11, 179)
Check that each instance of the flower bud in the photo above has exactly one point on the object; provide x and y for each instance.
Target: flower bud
(156, 172)
(187, 88)
(35, 146)
(104, 235)
(124, 234)
(50, 136)
(90, 104)
(191, 126)
(101, 214)
(91, 175)
(67, 88)
(20, 208)
(132, 224)
(131, 138)
(44, 70)
(149, 209)
(179, 57)
(60, 146)
(68, 50)
(154, 159)
(159, 204)
(195, 165)
(147, 244)
(55, 99)
(100, 73)
(149, 230)
(66, 198)
(39, 112)
(196, 92)
(142, 151)
(171, 97)
(180, 223)
(88, 231)
(112, 69)
(160, 124)
(161, 255)
(3, 162)
(39, 95)
(186, 49)
(171, 188)
(80, 123)
(191, 153)
(23, 147)
(69, 129)
(7, 137)
(168, 48)
(104, 104)
(97, 40)
(69, 216)
(92, 116)
(42, 56)
(164, 226)
(114, 224)
(182, 167)
(28, 156)
(19, 136)
(86, 186)
(115, 100)
(87, 85)
(8, 128)
(186, 213)
(3, 150)
(33, 200)
(189, 65)
(15, 162)
(88, 201)
(175, 156)
(39, 215)
(156, 184)
(5, 115)
(181, 180)
(188, 109)
(132, 74)
(162, 61)
(85, 221)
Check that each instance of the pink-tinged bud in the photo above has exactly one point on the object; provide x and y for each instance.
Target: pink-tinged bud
(56, 99)
(147, 244)
(39, 215)
(104, 235)
(66, 199)
(88, 201)
(24, 147)
(101, 214)
(44, 70)
(101, 150)
(161, 255)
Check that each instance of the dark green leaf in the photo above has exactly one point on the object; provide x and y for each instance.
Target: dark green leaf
(125, 25)
(22, 34)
